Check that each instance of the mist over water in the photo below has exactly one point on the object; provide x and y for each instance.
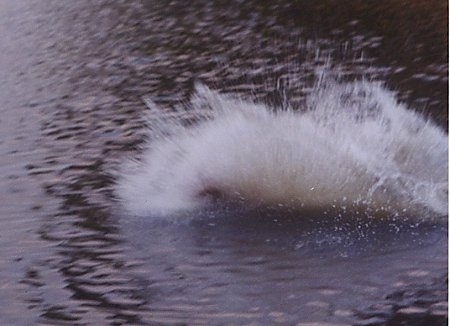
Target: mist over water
(352, 149)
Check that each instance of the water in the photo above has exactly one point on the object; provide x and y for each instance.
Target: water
(74, 78)
(354, 148)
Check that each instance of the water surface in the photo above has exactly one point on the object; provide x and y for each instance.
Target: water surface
(74, 74)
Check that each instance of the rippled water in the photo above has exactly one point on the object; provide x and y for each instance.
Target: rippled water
(74, 74)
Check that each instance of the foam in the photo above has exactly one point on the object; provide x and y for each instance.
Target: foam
(352, 146)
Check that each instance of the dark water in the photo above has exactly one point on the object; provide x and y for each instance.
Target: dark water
(73, 77)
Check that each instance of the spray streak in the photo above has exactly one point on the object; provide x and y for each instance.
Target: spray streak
(354, 147)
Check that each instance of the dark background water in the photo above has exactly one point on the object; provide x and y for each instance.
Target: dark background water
(73, 77)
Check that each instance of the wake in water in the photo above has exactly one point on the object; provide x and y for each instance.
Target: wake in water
(352, 148)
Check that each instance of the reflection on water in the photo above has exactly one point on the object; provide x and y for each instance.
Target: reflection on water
(73, 77)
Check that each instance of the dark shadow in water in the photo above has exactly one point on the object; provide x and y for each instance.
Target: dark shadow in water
(249, 253)
(327, 234)
(91, 263)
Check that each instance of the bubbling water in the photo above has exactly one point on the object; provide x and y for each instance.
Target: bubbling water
(352, 147)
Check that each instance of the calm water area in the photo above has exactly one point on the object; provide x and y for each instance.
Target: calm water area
(73, 77)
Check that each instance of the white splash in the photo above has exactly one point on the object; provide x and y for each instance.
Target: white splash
(354, 146)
